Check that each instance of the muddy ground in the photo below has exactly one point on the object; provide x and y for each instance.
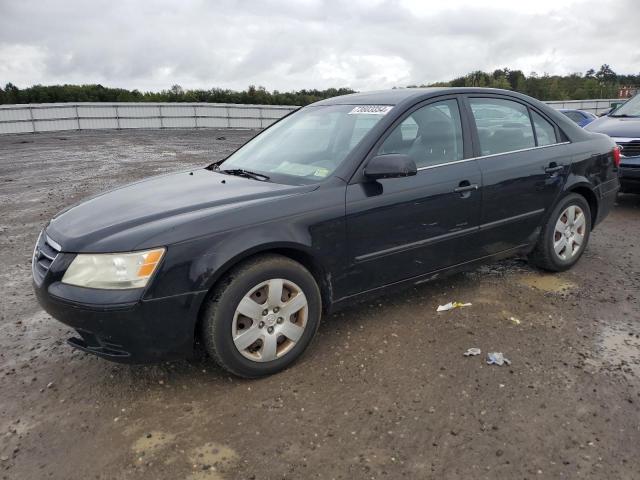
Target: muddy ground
(383, 392)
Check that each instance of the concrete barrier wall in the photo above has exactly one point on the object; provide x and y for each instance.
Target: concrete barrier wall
(596, 106)
(33, 118)
(47, 117)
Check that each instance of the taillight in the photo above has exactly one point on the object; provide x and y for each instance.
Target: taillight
(616, 155)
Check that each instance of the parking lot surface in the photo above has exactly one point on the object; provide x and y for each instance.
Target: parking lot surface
(383, 392)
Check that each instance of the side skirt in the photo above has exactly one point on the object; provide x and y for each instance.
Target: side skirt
(428, 277)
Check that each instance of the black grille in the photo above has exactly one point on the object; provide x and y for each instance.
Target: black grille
(630, 149)
(44, 254)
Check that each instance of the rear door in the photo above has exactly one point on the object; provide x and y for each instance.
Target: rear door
(399, 228)
(524, 165)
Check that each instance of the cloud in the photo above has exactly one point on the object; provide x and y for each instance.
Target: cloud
(289, 44)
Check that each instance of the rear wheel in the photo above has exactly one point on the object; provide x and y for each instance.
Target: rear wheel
(262, 316)
(565, 235)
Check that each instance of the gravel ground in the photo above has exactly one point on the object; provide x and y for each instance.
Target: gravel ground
(383, 392)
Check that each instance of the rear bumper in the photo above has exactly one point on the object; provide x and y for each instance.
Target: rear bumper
(141, 332)
(607, 193)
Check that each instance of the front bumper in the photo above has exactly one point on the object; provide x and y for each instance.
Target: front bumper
(629, 174)
(144, 332)
(119, 325)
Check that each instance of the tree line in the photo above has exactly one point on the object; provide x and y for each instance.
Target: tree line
(603, 83)
(11, 94)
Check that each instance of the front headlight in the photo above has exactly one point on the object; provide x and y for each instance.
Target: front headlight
(113, 270)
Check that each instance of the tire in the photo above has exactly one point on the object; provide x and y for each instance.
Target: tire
(286, 326)
(548, 253)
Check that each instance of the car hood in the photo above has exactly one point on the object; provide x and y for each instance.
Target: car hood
(616, 127)
(125, 218)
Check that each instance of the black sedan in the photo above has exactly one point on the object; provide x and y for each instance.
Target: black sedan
(339, 201)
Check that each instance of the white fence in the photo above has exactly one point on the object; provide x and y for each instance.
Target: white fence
(48, 117)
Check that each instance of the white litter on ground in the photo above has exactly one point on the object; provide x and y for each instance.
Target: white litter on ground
(472, 352)
(497, 358)
(451, 306)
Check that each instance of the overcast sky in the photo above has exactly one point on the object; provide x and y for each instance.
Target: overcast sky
(294, 44)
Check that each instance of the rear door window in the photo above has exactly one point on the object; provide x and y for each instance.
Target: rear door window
(503, 125)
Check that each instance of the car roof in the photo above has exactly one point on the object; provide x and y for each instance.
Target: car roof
(378, 97)
(396, 96)
(406, 97)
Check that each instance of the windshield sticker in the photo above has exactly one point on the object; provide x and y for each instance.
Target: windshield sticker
(371, 110)
(297, 169)
(302, 170)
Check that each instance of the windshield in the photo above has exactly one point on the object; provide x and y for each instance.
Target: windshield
(631, 108)
(308, 144)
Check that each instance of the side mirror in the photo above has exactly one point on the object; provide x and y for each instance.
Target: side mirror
(394, 165)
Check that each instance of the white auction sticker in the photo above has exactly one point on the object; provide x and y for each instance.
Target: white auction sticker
(371, 109)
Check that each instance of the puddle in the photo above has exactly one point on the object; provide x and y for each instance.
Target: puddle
(212, 453)
(548, 283)
(211, 456)
(205, 475)
(621, 350)
(152, 442)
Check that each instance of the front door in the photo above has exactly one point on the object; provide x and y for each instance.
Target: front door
(402, 228)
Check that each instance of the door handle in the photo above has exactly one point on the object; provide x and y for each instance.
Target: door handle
(465, 188)
(554, 168)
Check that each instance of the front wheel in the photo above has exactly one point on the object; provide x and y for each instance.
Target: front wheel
(262, 316)
(565, 236)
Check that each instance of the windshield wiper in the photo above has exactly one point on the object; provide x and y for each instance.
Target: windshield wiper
(245, 173)
(623, 115)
